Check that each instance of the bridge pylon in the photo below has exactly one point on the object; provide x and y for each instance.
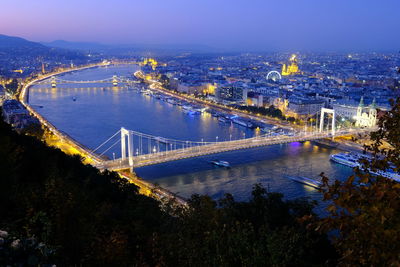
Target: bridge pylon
(321, 122)
(53, 82)
(126, 133)
(115, 80)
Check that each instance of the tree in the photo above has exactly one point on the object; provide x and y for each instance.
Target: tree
(364, 214)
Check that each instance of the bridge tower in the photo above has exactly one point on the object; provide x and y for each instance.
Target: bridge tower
(321, 122)
(126, 133)
(115, 80)
(53, 82)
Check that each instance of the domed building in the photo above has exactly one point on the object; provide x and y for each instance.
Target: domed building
(291, 69)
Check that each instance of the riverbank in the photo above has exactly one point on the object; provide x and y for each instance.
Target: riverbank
(345, 144)
(56, 138)
(342, 145)
(157, 86)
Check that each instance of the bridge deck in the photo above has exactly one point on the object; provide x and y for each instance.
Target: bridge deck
(196, 151)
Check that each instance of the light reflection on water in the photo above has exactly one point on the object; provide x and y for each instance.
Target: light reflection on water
(99, 112)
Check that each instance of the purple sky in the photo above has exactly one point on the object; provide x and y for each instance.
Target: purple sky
(244, 24)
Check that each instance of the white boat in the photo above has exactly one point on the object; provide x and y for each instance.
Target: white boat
(347, 159)
(171, 101)
(389, 174)
(240, 122)
(221, 163)
(352, 160)
(307, 181)
(222, 119)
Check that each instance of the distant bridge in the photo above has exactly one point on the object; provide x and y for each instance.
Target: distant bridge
(114, 80)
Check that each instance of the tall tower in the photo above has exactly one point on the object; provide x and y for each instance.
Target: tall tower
(359, 118)
(43, 69)
(372, 113)
(284, 71)
(360, 107)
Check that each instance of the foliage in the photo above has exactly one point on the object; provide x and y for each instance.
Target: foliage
(23, 252)
(90, 217)
(365, 209)
(85, 217)
(265, 231)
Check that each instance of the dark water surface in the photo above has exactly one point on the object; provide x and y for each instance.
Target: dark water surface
(99, 111)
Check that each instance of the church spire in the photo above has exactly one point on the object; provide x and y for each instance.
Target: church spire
(373, 105)
(361, 102)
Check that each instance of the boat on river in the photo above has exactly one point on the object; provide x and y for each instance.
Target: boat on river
(307, 181)
(353, 160)
(220, 163)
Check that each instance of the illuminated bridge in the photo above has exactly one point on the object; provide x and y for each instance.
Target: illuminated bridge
(138, 149)
(114, 80)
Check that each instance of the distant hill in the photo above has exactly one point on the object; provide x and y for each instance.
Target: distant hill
(18, 53)
(76, 45)
(12, 42)
(121, 49)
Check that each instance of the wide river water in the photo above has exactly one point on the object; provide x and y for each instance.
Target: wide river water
(91, 113)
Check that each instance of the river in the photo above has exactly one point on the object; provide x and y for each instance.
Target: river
(91, 114)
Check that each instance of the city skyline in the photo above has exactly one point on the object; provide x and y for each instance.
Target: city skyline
(262, 26)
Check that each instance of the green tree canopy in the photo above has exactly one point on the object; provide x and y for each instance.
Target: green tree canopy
(364, 213)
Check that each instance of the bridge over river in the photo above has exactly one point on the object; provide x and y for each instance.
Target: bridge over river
(140, 149)
(149, 150)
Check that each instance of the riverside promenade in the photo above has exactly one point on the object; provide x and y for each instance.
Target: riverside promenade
(89, 157)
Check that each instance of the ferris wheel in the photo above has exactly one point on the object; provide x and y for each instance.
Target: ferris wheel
(274, 76)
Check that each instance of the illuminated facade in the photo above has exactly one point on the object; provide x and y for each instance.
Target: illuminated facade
(150, 61)
(291, 69)
(364, 119)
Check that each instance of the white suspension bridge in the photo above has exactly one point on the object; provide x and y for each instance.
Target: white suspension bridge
(114, 80)
(139, 149)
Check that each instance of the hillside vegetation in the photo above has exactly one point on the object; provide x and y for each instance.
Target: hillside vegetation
(79, 216)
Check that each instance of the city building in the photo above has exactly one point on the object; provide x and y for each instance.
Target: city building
(232, 93)
(17, 115)
(345, 109)
(364, 118)
(304, 107)
(291, 69)
(2, 94)
(255, 99)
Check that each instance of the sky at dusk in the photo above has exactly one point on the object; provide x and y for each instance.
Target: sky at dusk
(323, 25)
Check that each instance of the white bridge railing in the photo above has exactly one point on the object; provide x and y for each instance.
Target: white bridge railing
(133, 160)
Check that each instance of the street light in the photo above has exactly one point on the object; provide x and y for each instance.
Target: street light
(216, 139)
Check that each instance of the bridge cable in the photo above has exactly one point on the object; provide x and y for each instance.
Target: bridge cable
(106, 141)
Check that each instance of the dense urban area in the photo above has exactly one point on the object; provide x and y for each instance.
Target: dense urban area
(59, 205)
